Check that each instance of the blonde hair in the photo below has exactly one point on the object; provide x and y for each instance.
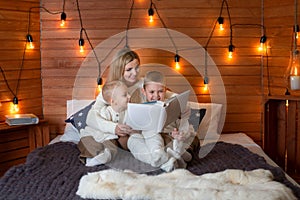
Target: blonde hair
(154, 77)
(120, 60)
(108, 89)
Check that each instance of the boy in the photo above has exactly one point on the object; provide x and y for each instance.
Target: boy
(149, 147)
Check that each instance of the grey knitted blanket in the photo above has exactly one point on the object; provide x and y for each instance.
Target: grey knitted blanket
(54, 171)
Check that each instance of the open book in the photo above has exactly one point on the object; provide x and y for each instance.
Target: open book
(156, 115)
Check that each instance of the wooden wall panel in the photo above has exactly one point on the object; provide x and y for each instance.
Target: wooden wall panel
(61, 60)
(14, 18)
(248, 77)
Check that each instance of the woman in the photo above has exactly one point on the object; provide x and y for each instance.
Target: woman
(125, 66)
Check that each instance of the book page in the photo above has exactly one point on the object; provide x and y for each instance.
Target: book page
(144, 116)
(175, 106)
(155, 116)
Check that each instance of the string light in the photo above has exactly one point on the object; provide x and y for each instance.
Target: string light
(81, 41)
(30, 41)
(205, 83)
(15, 106)
(99, 85)
(150, 13)
(221, 22)
(81, 45)
(176, 59)
(63, 18)
(230, 51)
(263, 40)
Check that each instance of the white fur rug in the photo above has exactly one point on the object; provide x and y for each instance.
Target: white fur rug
(182, 185)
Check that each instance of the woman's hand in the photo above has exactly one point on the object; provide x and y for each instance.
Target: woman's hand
(123, 130)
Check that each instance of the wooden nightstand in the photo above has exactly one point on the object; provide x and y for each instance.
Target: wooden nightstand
(17, 141)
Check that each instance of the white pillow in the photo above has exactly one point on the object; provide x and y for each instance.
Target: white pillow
(209, 126)
(71, 134)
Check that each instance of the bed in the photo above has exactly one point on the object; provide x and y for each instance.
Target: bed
(55, 172)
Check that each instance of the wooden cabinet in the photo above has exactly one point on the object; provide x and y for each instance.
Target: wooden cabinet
(282, 133)
(17, 141)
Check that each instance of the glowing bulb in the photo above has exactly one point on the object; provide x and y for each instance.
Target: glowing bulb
(62, 23)
(230, 54)
(81, 49)
(261, 47)
(287, 103)
(177, 65)
(205, 87)
(14, 107)
(81, 45)
(221, 27)
(30, 41)
(177, 58)
(30, 46)
(263, 39)
(230, 51)
(151, 19)
(205, 83)
(150, 14)
(221, 22)
(63, 18)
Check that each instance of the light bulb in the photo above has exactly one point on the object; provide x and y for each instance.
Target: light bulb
(176, 59)
(30, 41)
(150, 14)
(261, 47)
(81, 45)
(205, 83)
(151, 18)
(263, 40)
(63, 18)
(230, 51)
(14, 107)
(221, 22)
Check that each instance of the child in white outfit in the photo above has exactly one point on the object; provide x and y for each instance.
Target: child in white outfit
(99, 146)
(149, 146)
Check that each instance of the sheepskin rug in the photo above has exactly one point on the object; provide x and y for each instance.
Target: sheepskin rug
(182, 185)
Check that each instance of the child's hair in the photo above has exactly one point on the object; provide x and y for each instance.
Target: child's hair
(108, 89)
(154, 77)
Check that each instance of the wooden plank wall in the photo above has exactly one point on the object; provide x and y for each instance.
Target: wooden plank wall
(242, 75)
(103, 19)
(14, 19)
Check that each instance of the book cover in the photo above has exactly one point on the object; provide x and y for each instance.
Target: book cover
(21, 119)
(156, 115)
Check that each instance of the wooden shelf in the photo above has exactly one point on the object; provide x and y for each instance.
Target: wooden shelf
(16, 142)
